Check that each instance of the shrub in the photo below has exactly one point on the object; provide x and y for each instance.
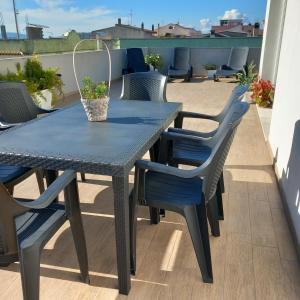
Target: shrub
(247, 75)
(36, 78)
(154, 60)
(262, 92)
(210, 67)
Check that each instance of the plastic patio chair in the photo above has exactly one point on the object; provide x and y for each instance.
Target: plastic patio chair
(181, 67)
(236, 62)
(148, 86)
(16, 107)
(190, 193)
(135, 61)
(199, 157)
(26, 226)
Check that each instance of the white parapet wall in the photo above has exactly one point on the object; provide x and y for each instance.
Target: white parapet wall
(89, 63)
(95, 63)
(284, 135)
(272, 39)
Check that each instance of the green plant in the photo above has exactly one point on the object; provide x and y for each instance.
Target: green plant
(154, 60)
(262, 92)
(36, 79)
(92, 91)
(209, 67)
(247, 75)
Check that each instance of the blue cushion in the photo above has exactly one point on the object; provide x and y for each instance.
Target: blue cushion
(171, 189)
(9, 173)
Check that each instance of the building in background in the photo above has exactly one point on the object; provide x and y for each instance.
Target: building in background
(34, 31)
(236, 28)
(177, 30)
(124, 31)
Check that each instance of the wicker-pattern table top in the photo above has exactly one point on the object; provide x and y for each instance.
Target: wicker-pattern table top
(66, 140)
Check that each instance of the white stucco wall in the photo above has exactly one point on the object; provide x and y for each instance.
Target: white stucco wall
(272, 39)
(91, 63)
(285, 126)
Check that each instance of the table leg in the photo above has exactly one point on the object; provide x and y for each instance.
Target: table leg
(121, 207)
(51, 175)
(154, 212)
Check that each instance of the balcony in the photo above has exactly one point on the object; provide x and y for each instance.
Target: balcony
(253, 258)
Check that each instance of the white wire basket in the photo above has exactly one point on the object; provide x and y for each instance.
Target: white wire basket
(96, 109)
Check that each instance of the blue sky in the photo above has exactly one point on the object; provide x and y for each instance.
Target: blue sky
(87, 15)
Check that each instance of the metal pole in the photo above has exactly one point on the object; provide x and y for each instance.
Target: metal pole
(16, 19)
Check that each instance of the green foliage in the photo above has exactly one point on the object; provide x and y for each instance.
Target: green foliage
(92, 91)
(209, 67)
(36, 78)
(154, 60)
(247, 75)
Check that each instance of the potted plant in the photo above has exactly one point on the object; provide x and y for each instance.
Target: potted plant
(44, 85)
(262, 93)
(263, 96)
(246, 77)
(155, 60)
(211, 70)
(95, 99)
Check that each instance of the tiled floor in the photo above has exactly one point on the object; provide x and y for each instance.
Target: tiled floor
(254, 258)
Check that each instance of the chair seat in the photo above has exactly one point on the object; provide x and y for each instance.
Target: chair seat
(161, 187)
(33, 224)
(172, 72)
(9, 173)
(190, 153)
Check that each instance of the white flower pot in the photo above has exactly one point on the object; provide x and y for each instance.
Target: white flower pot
(211, 73)
(247, 97)
(96, 109)
(43, 99)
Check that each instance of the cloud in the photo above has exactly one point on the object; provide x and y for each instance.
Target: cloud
(60, 16)
(205, 24)
(232, 14)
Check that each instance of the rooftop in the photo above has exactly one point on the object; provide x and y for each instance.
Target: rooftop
(253, 258)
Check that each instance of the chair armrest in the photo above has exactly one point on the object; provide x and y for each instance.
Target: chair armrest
(193, 115)
(157, 167)
(193, 133)
(51, 193)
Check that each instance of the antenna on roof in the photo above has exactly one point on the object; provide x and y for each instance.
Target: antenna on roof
(1, 19)
(16, 19)
(131, 16)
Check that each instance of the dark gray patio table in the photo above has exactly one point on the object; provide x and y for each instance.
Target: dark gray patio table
(66, 140)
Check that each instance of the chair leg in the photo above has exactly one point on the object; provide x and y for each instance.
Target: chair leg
(220, 202)
(197, 223)
(212, 214)
(40, 180)
(30, 272)
(133, 224)
(74, 216)
(82, 177)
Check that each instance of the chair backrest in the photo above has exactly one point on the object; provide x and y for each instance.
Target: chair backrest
(182, 58)
(16, 105)
(221, 143)
(238, 57)
(136, 60)
(148, 86)
(236, 96)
